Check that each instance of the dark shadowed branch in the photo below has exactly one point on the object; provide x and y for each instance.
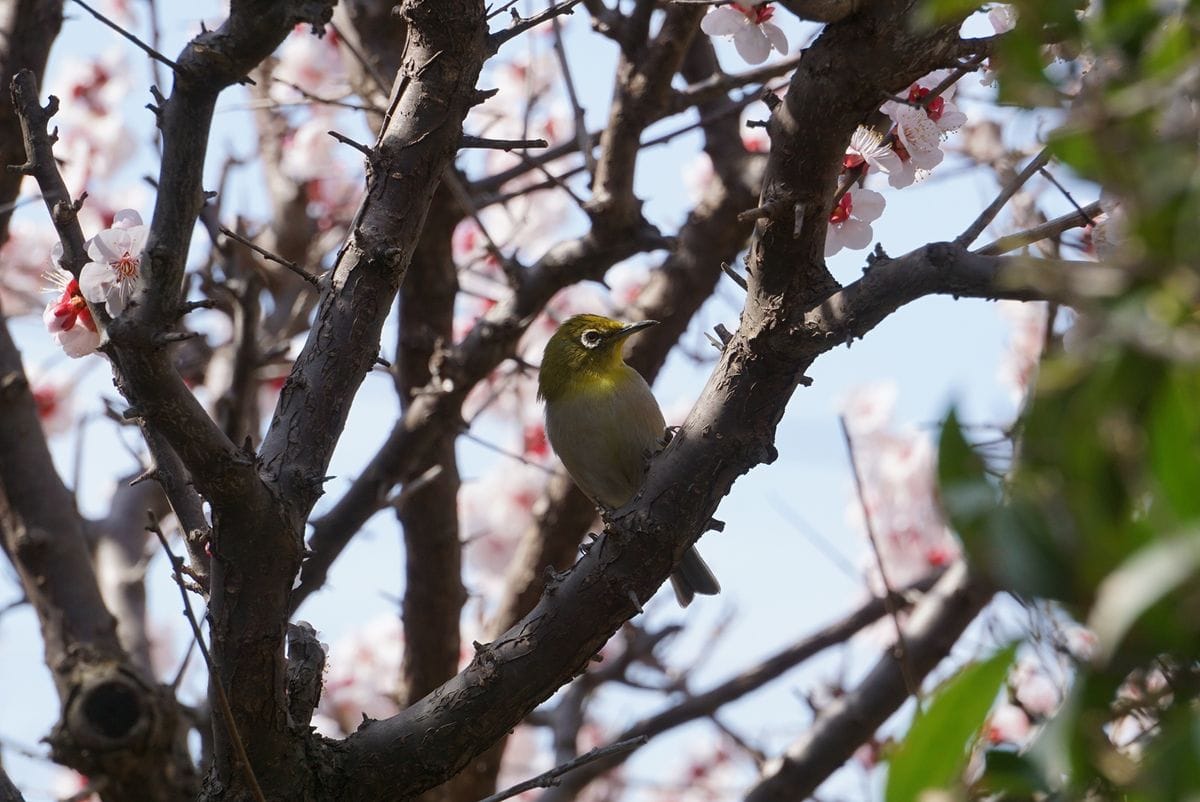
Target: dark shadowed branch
(935, 625)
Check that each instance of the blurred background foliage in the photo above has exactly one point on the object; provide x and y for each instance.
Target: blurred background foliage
(1097, 506)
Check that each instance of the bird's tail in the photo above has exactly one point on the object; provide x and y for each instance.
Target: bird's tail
(693, 576)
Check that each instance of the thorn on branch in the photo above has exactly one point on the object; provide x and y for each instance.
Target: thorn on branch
(771, 99)
(167, 337)
(148, 474)
(483, 95)
(637, 605)
(723, 333)
(360, 147)
(191, 306)
(736, 277)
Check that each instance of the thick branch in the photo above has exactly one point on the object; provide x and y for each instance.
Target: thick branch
(433, 588)
(429, 100)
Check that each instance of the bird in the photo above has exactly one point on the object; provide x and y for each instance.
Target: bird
(603, 422)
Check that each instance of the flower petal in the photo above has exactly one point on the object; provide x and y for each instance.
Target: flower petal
(78, 342)
(723, 22)
(868, 205)
(95, 280)
(109, 245)
(833, 239)
(775, 36)
(752, 44)
(126, 218)
(855, 234)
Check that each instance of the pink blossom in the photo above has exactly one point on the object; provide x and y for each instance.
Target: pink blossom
(920, 125)
(24, 258)
(115, 270)
(52, 397)
(495, 511)
(363, 673)
(1007, 724)
(850, 223)
(867, 147)
(313, 64)
(94, 141)
(1003, 17)
(1035, 692)
(748, 23)
(867, 408)
(899, 491)
(68, 318)
(1018, 365)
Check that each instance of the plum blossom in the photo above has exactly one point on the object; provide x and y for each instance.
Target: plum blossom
(1003, 17)
(52, 397)
(22, 280)
(495, 510)
(899, 482)
(920, 126)
(1008, 724)
(94, 141)
(363, 674)
(68, 318)
(850, 223)
(867, 147)
(115, 270)
(748, 23)
(1018, 365)
(312, 64)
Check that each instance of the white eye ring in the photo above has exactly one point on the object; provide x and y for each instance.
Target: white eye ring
(590, 338)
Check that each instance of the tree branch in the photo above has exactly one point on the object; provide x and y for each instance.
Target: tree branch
(934, 627)
(705, 704)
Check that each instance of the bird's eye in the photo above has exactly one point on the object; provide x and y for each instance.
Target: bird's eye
(590, 338)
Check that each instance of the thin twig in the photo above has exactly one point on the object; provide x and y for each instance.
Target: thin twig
(520, 26)
(1046, 175)
(215, 678)
(501, 450)
(550, 778)
(147, 49)
(581, 132)
(366, 64)
(1051, 228)
(989, 214)
(263, 252)
(889, 599)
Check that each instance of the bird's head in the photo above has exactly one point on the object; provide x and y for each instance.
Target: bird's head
(585, 351)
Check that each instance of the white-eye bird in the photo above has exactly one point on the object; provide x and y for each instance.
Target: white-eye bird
(603, 422)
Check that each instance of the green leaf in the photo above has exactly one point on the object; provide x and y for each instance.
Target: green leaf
(1138, 584)
(935, 750)
(967, 495)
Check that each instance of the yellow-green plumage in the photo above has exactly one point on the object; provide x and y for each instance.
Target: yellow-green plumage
(603, 423)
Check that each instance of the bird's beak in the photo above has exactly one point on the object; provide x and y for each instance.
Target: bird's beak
(633, 328)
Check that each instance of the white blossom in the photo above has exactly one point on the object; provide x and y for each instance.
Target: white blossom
(748, 23)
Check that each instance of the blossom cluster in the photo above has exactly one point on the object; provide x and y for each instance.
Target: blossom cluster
(107, 281)
(906, 151)
(899, 490)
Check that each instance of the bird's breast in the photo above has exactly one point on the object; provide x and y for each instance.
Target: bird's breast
(603, 432)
